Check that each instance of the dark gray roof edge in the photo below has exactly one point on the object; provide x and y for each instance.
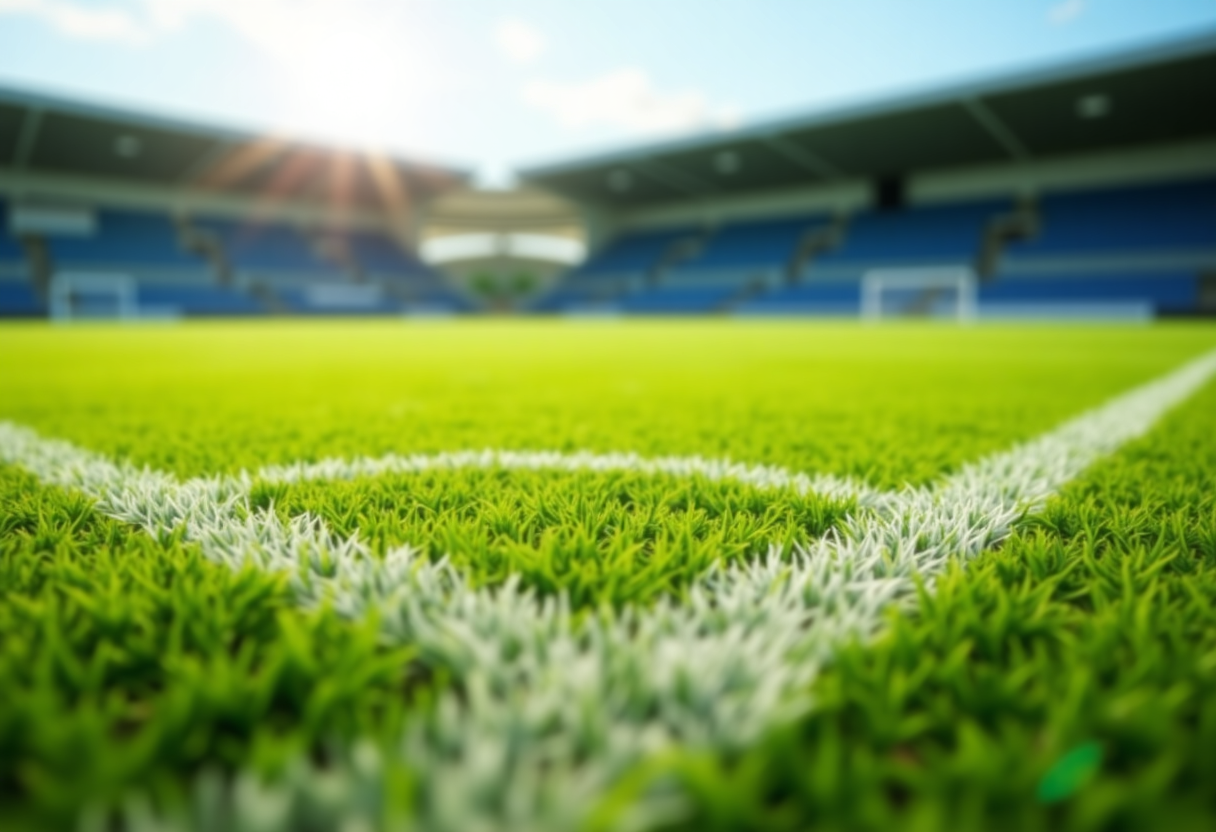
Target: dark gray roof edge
(29, 97)
(1161, 51)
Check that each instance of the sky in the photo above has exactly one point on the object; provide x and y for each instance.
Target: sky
(493, 85)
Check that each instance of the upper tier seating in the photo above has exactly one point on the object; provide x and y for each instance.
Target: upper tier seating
(124, 238)
(255, 246)
(632, 253)
(1154, 218)
(761, 243)
(916, 233)
(380, 255)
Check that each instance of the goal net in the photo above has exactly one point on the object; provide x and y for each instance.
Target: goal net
(79, 295)
(933, 292)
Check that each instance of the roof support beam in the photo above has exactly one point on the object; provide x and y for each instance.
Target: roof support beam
(997, 129)
(244, 160)
(803, 158)
(31, 125)
(392, 188)
(206, 160)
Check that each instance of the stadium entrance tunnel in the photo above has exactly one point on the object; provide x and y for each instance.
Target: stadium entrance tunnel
(504, 247)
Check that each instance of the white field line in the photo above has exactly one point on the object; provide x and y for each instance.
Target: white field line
(765, 477)
(553, 711)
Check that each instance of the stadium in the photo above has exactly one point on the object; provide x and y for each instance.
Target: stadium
(853, 468)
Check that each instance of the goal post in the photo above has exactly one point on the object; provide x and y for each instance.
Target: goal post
(919, 292)
(75, 295)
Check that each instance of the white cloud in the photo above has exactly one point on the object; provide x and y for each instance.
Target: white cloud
(519, 41)
(79, 21)
(1065, 12)
(628, 100)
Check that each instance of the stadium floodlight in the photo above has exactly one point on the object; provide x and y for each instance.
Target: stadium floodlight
(88, 295)
(922, 292)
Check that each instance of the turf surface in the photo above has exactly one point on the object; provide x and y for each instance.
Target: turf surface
(1065, 681)
(131, 665)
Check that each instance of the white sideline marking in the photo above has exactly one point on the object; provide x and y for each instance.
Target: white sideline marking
(553, 711)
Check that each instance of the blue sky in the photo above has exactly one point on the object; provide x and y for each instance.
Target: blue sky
(493, 84)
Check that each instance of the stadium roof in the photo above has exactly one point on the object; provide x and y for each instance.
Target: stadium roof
(41, 134)
(1158, 94)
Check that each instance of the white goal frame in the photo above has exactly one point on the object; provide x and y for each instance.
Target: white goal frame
(65, 286)
(960, 278)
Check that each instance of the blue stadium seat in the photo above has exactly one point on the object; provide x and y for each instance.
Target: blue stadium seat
(768, 243)
(836, 298)
(1171, 292)
(380, 255)
(669, 300)
(265, 245)
(199, 300)
(916, 233)
(631, 253)
(124, 239)
(1170, 217)
(19, 300)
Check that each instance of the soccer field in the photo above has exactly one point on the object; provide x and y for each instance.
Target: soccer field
(607, 575)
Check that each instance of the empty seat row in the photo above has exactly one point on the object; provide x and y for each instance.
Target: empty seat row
(633, 253)
(951, 233)
(198, 300)
(1165, 292)
(137, 239)
(1167, 217)
(1160, 220)
(676, 299)
(19, 300)
(760, 243)
(124, 237)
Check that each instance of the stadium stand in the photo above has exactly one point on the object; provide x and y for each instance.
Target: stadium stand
(917, 233)
(378, 255)
(1160, 293)
(1170, 217)
(633, 254)
(172, 300)
(677, 299)
(124, 239)
(266, 249)
(12, 258)
(763, 243)
(1051, 200)
(1108, 249)
(1058, 208)
(829, 298)
(1115, 245)
(18, 298)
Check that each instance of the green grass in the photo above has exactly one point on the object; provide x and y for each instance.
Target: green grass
(130, 664)
(1066, 681)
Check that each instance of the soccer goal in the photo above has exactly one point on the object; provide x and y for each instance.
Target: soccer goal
(930, 292)
(79, 295)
